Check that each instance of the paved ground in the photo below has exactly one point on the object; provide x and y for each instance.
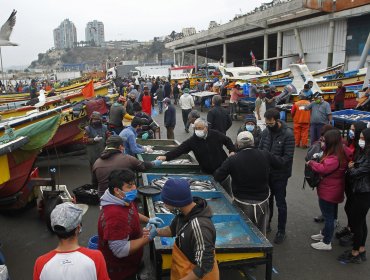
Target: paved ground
(25, 237)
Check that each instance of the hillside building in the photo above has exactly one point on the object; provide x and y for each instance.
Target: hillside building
(65, 36)
(94, 32)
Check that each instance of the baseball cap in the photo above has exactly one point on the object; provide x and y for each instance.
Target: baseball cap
(246, 138)
(67, 215)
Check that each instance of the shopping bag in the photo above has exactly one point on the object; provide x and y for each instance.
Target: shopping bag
(154, 112)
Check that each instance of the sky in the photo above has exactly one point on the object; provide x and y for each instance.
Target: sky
(123, 20)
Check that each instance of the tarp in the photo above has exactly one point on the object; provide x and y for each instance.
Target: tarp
(39, 134)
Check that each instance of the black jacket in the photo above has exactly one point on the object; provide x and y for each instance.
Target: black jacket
(196, 236)
(209, 152)
(249, 170)
(281, 144)
(170, 116)
(219, 119)
(360, 174)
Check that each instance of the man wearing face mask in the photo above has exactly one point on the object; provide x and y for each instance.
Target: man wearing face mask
(121, 238)
(250, 124)
(95, 135)
(278, 139)
(207, 146)
(69, 260)
(320, 115)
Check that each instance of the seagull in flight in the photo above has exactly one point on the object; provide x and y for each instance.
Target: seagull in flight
(7, 29)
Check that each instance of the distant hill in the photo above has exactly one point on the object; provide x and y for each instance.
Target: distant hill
(54, 59)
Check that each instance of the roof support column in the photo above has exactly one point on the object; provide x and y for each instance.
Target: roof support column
(224, 55)
(278, 50)
(265, 50)
(174, 57)
(331, 43)
(196, 59)
(364, 54)
(182, 58)
(299, 44)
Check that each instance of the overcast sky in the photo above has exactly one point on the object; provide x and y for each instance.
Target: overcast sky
(123, 19)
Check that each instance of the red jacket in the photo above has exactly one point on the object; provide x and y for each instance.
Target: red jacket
(146, 104)
(331, 188)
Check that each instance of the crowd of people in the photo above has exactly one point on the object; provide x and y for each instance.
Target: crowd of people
(254, 171)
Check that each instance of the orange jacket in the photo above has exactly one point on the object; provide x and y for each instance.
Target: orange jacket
(300, 115)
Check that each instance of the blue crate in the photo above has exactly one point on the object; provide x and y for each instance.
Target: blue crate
(349, 112)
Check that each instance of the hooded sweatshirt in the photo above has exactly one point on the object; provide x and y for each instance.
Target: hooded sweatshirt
(113, 159)
(198, 238)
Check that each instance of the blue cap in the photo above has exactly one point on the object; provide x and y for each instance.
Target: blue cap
(176, 192)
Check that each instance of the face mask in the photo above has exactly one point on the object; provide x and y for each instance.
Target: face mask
(130, 196)
(200, 133)
(192, 125)
(317, 101)
(273, 128)
(249, 127)
(351, 134)
(361, 143)
(96, 123)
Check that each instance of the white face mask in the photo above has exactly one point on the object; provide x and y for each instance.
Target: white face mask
(361, 143)
(200, 133)
(192, 125)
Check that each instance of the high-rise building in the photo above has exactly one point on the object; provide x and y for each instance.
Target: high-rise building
(65, 36)
(94, 31)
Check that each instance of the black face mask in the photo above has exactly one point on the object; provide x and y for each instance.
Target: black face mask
(274, 128)
(96, 124)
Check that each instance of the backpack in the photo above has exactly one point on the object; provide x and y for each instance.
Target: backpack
(311, 177)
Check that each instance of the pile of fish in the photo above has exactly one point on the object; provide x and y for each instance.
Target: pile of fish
(158, 152)
(353, 117)
(195, 185)
(159, 207)
(178, 162)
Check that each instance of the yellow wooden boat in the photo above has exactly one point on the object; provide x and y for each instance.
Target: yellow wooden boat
(55, 101)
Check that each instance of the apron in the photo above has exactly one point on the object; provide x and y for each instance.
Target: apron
(181, 266)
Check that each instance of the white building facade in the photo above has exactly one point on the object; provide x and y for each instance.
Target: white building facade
(65, 36)
(94, 31)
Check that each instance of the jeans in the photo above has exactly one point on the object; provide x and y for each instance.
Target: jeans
(315, 131)
(278, 190)
(185, 114)
(328, 210)
(160, 106)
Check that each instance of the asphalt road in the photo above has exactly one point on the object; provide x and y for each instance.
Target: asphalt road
(25, 237)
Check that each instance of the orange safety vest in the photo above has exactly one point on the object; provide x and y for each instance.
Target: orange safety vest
(301, 116)
(181, 266)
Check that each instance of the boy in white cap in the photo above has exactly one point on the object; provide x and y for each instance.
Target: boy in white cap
(69, 260)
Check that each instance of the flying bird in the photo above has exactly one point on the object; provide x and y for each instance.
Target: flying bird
(7, 29)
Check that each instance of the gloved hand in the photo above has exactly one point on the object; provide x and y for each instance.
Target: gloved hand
(97, 138)
(145, 136)
(148, 149)
(157, 162)
(152, 231)
(156, 221)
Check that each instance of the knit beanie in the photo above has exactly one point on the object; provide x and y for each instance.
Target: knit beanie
(250, 118)
(176, 193)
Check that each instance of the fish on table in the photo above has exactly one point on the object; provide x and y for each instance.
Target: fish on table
(195, 185)
(178, 162)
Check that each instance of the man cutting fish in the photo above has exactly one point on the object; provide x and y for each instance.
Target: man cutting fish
(207, 146)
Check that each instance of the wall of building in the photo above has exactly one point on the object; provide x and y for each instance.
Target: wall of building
(315, 41)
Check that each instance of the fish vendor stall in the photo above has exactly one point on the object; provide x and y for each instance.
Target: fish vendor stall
(238, 241)
(201, 97)
(344, 118)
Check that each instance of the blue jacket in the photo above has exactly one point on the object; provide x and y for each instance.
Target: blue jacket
(170, 116)
(131, 147)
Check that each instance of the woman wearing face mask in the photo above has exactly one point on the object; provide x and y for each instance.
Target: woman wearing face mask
(121, 239)
(250, 124)
(330, 191)
(359, 171)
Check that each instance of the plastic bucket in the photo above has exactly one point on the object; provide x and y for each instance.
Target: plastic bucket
(93, 242)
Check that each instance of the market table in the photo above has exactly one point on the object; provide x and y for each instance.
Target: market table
(238, 241)
(344, 118)
(203, 95)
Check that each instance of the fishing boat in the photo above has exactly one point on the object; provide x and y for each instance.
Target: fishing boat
(55, 101)
(100, 89)
(18, 153)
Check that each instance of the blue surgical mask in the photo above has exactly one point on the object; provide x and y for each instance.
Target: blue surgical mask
(130, 196)
(249, 127)
(351, 134)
